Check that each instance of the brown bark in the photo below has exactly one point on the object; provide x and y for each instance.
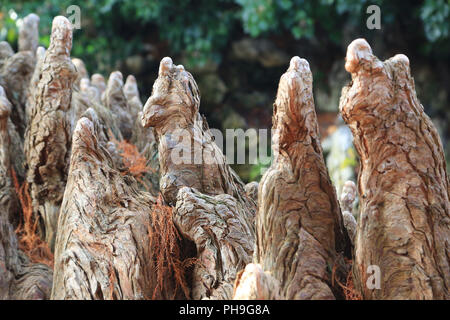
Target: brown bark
(251, 189)
(131, 92)
(348, 196)
(114, 99)
(299, 232)
(98, 81)
(173, 111)
(5, 51)
(103, 247)
(143, 138)
(8, 199)
(19, 279)
(223, 237)
(48, 137)
(16, 73)
(81, 71)
(224, 249)
(403, 184)
(40, 54)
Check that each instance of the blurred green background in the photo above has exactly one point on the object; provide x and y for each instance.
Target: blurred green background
(238, 49)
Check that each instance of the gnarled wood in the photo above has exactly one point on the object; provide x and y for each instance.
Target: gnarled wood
(29, 33)
(223, 237)
(48, 137)
(114, 99)
(19, 279)
(188, 155)
(103, 248)
(299, 231)
(348, 196)
(404, 225)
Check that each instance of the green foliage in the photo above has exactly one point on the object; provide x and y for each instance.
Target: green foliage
(201, 29)
(435, 15)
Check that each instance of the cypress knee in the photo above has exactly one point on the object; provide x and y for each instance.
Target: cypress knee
(48, 137)
(299, 230)
(404, 225)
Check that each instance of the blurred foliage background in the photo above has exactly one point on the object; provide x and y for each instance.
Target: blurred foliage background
(238, 49)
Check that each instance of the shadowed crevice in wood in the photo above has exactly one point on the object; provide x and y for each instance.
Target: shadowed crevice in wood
(223, 237)
(404, 225)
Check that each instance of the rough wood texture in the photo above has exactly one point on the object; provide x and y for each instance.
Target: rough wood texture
(102, 248)
(48, 137)
(131, 92)
(8, 199)
(348, 196)
(114, 99)
(15, 77)
(404, 226)
(254, 284)
(19, 279)
(298, 226)
(223, 237)
(172, 110)
(143, 138)
(40, 54)
(251, 189)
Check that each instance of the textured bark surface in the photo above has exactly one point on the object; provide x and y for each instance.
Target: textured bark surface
(48, 137)
(98, 81)
(251, 189)
(114, 99)
(299, 232)
(5, 51)
(103, 247)
(19, 279)
(16, 73)
(8, 199)
(131, 92)
(172, 110)
(254, 284)
(143, 138)
(223, 237)
(404, 226)
(81, 71)
(348, 196)
(40, 55)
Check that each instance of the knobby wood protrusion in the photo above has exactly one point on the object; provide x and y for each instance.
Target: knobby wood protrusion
(19, 278)
(103, 246)
(143, 138)
(348, 196)
(404, 224)
(223, 237)
(48, 137)
(29, 33)
(189, 157)
(114, 99)
(8, 198)
(299, 230)
(40, 54)
(18, 68)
